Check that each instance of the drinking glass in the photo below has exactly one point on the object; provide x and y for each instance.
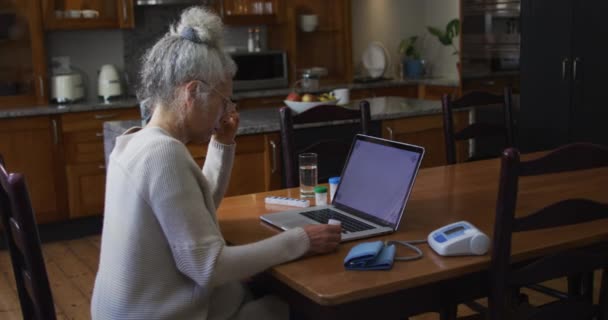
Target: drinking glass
(308, 174)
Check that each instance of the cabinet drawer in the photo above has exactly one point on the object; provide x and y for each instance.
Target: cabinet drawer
(84, 146)
(437, 92)
(86, 189)
(94, 120)
(494, 85)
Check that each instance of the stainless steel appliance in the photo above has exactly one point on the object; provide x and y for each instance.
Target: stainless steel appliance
(260, 70)
(491, 37)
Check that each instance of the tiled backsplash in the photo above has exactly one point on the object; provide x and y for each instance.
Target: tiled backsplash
(152, 22)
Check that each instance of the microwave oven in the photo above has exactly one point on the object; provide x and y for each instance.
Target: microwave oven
(260, 70)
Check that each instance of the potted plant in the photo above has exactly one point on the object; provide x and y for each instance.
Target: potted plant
(413, 66)
(446, 37)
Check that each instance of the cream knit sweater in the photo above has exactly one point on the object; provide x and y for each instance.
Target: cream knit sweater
(162, 253)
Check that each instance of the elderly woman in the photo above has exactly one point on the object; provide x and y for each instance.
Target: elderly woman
(162, 253)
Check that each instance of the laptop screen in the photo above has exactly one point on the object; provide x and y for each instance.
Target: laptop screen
(377, 179)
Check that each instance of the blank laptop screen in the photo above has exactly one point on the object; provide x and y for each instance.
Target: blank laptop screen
(377, 179)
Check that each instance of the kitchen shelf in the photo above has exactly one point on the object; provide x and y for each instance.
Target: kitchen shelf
(320, 30)
(250, 19)
(80, 23)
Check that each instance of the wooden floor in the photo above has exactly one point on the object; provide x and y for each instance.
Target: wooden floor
(72, 265)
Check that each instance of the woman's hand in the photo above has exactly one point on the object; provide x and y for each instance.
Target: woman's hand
(229, 124)
(324, 238)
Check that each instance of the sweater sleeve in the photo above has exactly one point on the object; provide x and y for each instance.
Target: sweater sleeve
(195, 240)
(217, 168)
(240, 262)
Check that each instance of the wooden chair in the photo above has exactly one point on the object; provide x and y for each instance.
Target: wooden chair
(331, 150)
(476, 99)
(506, 278)
(21, 231)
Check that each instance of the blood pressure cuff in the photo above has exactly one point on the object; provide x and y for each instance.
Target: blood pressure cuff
(370, 256)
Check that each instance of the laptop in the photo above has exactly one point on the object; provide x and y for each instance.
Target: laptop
(370, 200)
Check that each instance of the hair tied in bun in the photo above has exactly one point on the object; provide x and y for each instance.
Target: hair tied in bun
(189, 33)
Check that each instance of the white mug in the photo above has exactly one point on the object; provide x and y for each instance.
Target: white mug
(342, 95)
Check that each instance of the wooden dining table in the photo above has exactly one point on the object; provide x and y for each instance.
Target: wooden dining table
(319, 287)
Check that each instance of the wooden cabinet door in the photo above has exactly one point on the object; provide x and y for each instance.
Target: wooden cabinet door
(426, 131)
(87, 14)
(256, 165)
(22, 56)
(249, 12)
(82, 135)
(86, 188)
(29, 146)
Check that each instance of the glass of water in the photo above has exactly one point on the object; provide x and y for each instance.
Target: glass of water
(308, 174)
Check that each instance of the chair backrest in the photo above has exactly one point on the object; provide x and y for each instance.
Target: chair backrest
(477, 99)
(506, 276)
(331, 150)
(19, 226)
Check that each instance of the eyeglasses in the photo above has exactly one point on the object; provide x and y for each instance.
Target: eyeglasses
(229, 106)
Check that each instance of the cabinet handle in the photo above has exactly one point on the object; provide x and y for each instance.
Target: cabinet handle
(489, 83)
(565, 63)
(390, 133)
(99, 134)
(105, 116)
(274, 157)
(575, 68)
(102, 167)
(124, 11)
(41, 81)
(55, 131)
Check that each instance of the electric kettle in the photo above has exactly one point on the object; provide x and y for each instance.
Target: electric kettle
(108, 84)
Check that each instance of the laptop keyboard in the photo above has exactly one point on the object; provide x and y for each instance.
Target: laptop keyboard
(348, 224)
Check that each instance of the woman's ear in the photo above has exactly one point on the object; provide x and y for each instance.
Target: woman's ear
(190, 94)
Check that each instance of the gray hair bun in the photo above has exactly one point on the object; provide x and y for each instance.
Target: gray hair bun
(199, 25)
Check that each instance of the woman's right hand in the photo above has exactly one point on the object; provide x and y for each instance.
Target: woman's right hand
(324, 238)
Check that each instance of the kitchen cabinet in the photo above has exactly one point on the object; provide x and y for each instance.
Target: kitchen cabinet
(257, 164)
(495, 84)
(328, 46)
(427, 131)
(249, 12)
(84, 167)
(22, 57)
(31, 146)
(436, 92)
(87, 14)
(563, 73)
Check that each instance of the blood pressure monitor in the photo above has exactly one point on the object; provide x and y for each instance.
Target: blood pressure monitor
(459, 239)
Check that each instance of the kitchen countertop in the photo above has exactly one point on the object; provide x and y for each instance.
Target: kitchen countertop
(264, 120)
(353, 86)
(67, 108)
(42, 110)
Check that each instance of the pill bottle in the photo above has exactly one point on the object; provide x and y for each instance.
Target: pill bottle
(321, 196)
(333, 185)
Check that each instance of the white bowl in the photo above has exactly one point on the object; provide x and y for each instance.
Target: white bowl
(299, 107)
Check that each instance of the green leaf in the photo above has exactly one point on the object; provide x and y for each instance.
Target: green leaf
(453, 28)
(446, 40)
(436, 32)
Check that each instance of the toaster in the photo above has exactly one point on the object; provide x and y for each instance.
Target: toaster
(67, 88)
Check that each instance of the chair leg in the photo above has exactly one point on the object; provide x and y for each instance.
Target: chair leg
(603, 303)
(448, 312)
(581, 285)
